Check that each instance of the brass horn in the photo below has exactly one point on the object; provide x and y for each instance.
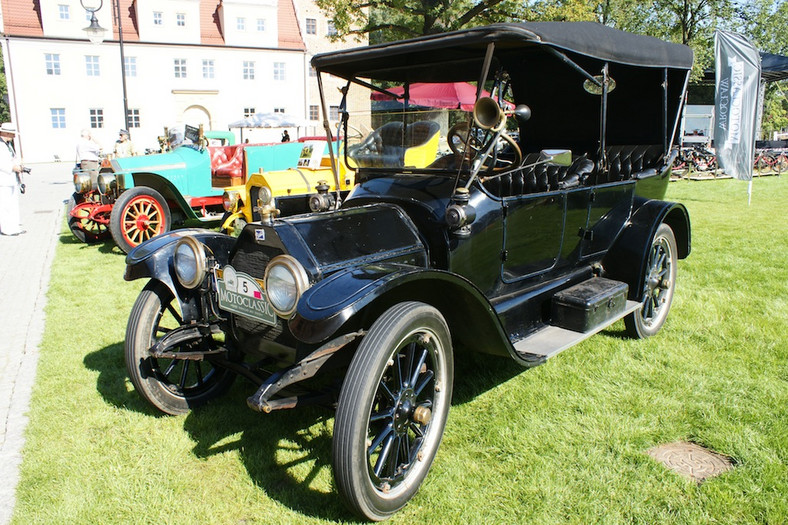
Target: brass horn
(488, 114)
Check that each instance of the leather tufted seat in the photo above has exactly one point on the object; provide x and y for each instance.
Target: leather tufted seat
(626, 161)
(540, 178)
(227, 165)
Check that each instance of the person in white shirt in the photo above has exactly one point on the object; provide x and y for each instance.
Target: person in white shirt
(88, 152)
(10, 182)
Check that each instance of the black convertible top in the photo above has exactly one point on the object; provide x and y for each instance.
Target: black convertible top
(438, 56)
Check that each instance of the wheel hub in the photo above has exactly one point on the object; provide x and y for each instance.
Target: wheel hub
(404, 410)
(142, 222)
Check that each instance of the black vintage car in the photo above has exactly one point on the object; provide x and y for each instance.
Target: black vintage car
(538, 223)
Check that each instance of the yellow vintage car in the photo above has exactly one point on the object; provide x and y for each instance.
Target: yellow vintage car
(310, 186)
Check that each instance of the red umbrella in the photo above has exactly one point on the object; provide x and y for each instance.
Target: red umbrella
(453, 95)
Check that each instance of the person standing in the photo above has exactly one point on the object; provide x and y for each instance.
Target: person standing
(88, 152)
(124, 147)
(10, 182)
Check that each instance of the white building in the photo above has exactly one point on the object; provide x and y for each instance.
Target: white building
(208, 62)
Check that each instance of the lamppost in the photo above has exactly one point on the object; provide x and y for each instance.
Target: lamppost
(96, 34)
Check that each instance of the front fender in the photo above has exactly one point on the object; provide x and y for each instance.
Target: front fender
(334, 301)
(153, 260)
(626, 259)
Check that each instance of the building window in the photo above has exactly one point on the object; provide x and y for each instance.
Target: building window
(52, 63)
(332, 29)
(333, 113)
(207, 69)
(180, 19)
(261, 24)
(279, 110)
(96, 118)
(180, 67)
(240, 23)
(248, 112)
(248, 70)
(63, 11)
(279, 70)
(312, 71)
(311, 26)
(130, 64)
(134, 118)
(314, 112)
(92, 65)
(157, 18)
(58, 117)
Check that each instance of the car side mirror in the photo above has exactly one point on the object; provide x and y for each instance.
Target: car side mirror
(556, 157)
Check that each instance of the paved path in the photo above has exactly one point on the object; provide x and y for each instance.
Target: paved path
(25, 261)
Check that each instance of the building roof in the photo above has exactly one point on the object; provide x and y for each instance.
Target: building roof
(23, 18)
(210, 26)
(289, 30)
(128, 19)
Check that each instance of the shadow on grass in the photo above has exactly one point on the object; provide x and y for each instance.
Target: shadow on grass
(103, 245)
(287, 454)
(475, 374)
(112, 380)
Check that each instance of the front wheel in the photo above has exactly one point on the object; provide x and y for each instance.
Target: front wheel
(657, 287)
(392, 410)
(174, 386)
(82, 226)
(139, 214)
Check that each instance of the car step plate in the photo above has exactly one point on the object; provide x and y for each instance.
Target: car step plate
(552, 340)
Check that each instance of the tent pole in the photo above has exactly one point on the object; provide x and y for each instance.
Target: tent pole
(749, 193)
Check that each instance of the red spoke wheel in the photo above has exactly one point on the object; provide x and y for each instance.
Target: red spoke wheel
(138, 215)
(83, 227)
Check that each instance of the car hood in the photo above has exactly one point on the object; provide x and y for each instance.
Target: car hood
(178, 159)
(330, 241)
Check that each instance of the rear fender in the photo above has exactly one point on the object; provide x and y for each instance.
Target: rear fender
(357, 296)
(626, 259)
(153, 260)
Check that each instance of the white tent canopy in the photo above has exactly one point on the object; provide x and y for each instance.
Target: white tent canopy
(268, 120)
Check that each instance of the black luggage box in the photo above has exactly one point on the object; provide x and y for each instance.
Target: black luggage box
(589, 304)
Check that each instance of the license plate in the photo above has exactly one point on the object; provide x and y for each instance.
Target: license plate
(241, 294)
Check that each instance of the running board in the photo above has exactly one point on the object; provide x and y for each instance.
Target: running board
(212, 217)
(552, 340)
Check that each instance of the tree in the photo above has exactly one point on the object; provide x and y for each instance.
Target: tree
(4, 109)
(387, 20)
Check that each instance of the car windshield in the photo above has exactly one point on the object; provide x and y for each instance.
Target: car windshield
(417, 127)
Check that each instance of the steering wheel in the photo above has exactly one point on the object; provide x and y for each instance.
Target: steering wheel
(458, 137)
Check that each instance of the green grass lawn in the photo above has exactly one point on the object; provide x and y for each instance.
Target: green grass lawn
(563, 442)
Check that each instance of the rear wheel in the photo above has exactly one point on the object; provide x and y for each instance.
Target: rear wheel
(657, 287)
(139, 214)
(82, 227)
(392, 410)
(781, 163)
(174, 386)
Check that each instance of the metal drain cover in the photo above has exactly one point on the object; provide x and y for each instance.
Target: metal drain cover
(691, 461)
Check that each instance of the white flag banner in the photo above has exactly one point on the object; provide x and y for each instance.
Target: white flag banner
(737, 99)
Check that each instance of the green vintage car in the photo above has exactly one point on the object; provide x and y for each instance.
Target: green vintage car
(136, 198)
